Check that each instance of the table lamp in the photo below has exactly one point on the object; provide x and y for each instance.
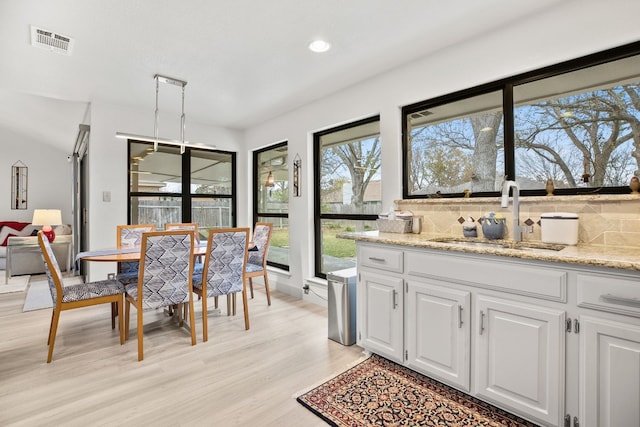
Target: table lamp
(46, 218)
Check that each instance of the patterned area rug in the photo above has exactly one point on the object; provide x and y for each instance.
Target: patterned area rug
(378, 392)
(39, 296)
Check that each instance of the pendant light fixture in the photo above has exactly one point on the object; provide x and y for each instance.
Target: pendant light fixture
(270, 182)
(156, 138)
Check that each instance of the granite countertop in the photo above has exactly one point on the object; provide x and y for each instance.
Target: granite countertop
(621, 257)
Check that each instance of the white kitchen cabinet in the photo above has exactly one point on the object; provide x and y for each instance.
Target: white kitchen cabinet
(519, 357)
(609, 373)
(380, 314)
(438, 331)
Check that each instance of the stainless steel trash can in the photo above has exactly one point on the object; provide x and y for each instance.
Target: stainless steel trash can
(342, 305)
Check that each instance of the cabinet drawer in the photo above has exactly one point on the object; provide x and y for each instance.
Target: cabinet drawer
(382, 258)
(613, 294)
(515, 278)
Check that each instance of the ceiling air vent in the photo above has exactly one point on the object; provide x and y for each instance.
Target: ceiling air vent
(51, 41)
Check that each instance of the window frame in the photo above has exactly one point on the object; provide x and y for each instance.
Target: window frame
(185, 194)
(507, 85)
(256, 180)
(318, 215)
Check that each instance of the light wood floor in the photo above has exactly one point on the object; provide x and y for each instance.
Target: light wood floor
(237, 378)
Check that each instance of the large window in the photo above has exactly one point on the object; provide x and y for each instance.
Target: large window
(168, 187)
(271, 199)
(348, 190)
(576, 124)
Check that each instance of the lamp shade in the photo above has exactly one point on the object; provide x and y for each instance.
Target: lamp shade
(46, 218)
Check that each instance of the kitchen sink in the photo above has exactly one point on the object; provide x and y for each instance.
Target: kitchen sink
(501, 244)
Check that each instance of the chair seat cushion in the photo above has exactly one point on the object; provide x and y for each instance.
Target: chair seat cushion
(85, 291)
(252, 268)
(197, 268)
(197, 280)
(127, 278)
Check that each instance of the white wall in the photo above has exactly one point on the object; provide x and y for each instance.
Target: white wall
(49, 180)
(572, 30)
(108, 164)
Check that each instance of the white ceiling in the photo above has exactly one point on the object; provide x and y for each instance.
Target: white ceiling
(245, 61)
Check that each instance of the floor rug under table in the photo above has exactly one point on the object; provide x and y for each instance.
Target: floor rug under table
(378, 392)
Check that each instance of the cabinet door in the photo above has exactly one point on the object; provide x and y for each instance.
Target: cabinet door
(380, 314)
(609, 373)
(438, 332)
(519, 358)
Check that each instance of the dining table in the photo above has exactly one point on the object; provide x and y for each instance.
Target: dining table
(125, 254)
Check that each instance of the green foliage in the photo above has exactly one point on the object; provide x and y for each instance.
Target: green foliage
(339, 248)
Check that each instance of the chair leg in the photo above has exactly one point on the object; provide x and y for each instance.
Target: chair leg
(228, 304)
(178, 308)
(140, 333)
(251, 286)
(205, 320)
(245, 305)
(52, 333)
(114, 313)
(266, 287)
(192, 320)
(53, 313)
(215, 302)
(127, 311)
(119, 305)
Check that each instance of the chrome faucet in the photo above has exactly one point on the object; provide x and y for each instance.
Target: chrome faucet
(517, 228)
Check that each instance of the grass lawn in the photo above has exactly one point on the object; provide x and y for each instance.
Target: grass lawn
(339, 248)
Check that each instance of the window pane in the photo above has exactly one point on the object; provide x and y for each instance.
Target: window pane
(340, 253)
(273, 180)
(207, 212)
(155, 171)
(158, 210)
(279, 247)
(578, 128)
(350, 170)
(211, 172)
(456, 146)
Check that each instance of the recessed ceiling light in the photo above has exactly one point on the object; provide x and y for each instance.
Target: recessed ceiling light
(319, 46)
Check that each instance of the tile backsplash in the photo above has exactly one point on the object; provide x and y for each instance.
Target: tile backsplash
(612, 220)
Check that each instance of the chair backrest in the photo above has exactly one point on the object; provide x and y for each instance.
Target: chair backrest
(262, 239)
(225, 261)
(166, 268)
(131, 235)
(185, 226)
(51, 267)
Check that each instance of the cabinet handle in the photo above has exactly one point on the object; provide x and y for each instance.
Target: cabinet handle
(575, 422)
(481, 321)
(459, 316)
(614, 299)
(395, 302)
(373, 258)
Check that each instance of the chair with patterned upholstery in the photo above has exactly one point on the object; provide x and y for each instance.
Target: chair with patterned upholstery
(224, 270)
(257, 261)
(130, 236)
(166, 271)
(184, 226)
(76, 296)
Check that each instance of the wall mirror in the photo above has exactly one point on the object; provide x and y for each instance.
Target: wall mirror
(19, 177)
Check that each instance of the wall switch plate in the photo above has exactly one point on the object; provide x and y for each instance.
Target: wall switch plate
(106, 196)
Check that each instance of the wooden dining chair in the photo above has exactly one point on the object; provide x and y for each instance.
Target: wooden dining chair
(224, 271)
(166, 272)
(130, 235)
(257, 260)
(76, 296)
(184, 226)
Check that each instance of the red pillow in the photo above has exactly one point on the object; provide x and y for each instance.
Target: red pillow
(7, 239)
